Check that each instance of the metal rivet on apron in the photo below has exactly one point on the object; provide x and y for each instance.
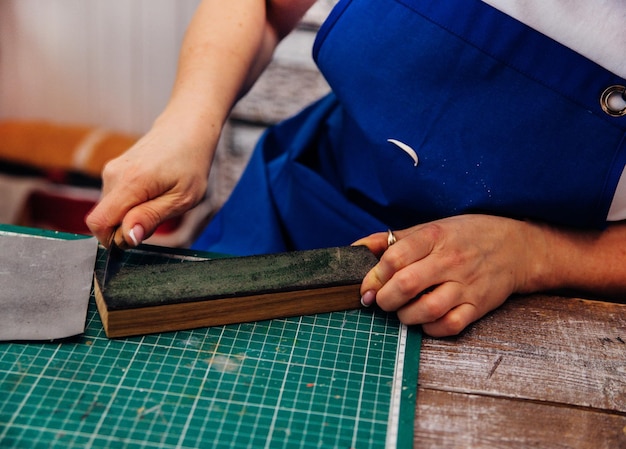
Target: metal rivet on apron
(613, 101)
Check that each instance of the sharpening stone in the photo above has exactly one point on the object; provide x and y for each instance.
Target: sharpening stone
(165, 297)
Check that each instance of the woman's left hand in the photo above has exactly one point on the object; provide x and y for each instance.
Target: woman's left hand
(448, 273)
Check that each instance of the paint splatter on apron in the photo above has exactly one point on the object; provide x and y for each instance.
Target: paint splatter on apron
(438, 108)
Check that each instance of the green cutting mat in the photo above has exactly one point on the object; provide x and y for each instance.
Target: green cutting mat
(333, 380)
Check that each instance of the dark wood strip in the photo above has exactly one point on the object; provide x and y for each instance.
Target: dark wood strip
(456, 420)
(546, 348)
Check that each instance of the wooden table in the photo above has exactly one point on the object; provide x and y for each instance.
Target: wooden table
(541, 371)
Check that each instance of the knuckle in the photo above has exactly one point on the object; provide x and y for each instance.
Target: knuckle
(389, 261)
(431, 308)
(433, 231)
(110, 171)
(188, 196)
(452, 324)
(405, 283)
(153, 215)
(393, 261)
(187, 201)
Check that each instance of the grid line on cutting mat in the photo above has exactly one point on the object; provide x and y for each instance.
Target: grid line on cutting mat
(313, 381)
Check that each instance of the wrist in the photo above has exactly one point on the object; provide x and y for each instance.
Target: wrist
(541, 250)
(562, 258)
(190, 122)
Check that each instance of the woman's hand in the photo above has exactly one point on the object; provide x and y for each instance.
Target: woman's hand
(160, 177)
(448, 273)
(226, 47)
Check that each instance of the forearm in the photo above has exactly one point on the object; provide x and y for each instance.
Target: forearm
(227, 46)
(219, 48)
(590, 261)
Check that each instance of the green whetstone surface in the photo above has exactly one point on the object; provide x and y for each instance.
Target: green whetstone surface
(336, 380)
(151, 285)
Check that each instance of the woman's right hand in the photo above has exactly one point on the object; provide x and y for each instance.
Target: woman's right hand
(226, 47)
(162, 176)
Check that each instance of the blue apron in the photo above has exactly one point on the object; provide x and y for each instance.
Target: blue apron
(438, 108)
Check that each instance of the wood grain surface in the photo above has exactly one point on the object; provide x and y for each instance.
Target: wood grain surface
(541, 371)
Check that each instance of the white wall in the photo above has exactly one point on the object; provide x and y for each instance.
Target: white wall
(112, 63)
(104, 62)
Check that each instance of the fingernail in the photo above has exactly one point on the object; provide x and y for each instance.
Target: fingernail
(136, 234)
(368, 298)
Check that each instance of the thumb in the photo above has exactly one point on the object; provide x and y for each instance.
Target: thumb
(125, 238)
(111, 221)
(141, 221)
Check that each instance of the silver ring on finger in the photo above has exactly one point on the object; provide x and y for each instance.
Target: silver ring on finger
(391, 239)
